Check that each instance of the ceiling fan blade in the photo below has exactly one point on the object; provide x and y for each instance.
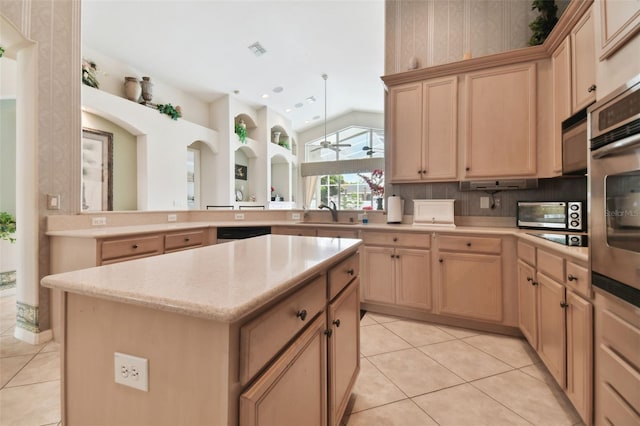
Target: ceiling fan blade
(345, 145)
(316, 149)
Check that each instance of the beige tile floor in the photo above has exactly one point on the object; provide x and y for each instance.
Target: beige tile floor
(413, 373)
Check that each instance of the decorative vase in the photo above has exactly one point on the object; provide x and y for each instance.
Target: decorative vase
(276, 137)
(132, 89)
(379, 203)
(147, 89)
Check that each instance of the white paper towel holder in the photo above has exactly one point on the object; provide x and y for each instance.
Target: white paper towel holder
(394, 209)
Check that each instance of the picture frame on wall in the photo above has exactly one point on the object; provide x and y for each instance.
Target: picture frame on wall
(97, 170)
(241, 172)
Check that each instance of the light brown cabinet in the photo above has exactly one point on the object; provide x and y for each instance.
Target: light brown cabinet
(302, 231)
(469, 277)
(500, 122)
(424, 139)
(337, 233)
(619, 21)
(396, 269)
(583, 63)
(293, 390)
(556, 318)
(561, 92)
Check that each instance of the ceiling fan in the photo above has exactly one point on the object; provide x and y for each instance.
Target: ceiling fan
(325, 143)
(370, 151)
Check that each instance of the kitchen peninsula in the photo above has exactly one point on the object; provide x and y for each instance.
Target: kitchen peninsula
(233, 333)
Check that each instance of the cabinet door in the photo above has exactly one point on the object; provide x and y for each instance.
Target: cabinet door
(583, 58)
(404, 106)
(344, 344)
(293, 390)
(378, 274)
(561, 68)
(413, 278)
(619, 20)
(580, 354)
(527, 317)
(470, 286)
(440, 129)
(500, 128)
(552, 327)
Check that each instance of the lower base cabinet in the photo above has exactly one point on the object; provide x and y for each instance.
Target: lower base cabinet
(297, 381)
(552, 330)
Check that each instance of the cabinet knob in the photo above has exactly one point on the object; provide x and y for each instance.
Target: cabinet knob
(572, 278)
(424, 172)
(534, 282)
(564, 305)
(328, 332)
(591, 88)
(468, 244)
(440, 260)
(135, 246)
(467, 168)
(529, 279)
(350, 271)
(393, 256)
(302, 314)
(395, 239)
(337, 322)
(419, 172)
(186, 240)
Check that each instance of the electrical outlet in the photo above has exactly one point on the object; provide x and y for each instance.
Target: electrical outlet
(295, 216)
(98, 221)
(239, 216)
(484, 202)
(172, 217)
(131, 371)
(53, 201)
(496, 202)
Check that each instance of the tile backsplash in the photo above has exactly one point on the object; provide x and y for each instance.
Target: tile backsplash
(468, 202)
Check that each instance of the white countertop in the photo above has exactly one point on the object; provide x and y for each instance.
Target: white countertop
(222, 282)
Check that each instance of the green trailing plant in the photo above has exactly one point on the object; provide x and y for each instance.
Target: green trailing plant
(1, 51)
(89, 69)
(544, 22)
(7, 227)
(241, 131)
(169, 110)
(284, 145)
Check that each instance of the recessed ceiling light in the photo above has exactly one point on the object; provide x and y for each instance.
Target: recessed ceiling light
(311, 99)
(306, 121)
(257, 49)
(288, 110)
(265, 95)
(278, 89)
(299, 105)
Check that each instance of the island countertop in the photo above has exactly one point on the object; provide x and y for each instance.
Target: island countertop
(221, 282)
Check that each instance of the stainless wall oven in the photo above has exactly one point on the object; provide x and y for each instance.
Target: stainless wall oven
(615, 192)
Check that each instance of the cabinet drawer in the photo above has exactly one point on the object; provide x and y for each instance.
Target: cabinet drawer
(341, 274)
(471, 244)
(617, 373)
(337, 233)
(623, 336)
(615, 410)
(578, 279)
(404, 239)
(551, 265)
(263, 337)
(132, 247)
(527, 253)
(294, 230)
(183, 240)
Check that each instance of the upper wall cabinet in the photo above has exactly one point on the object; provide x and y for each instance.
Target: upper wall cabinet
(423, 123)
(620, 21)
(500, 126)
(583, 63)
(561, 92)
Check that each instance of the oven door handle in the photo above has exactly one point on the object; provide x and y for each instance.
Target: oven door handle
(614, 147)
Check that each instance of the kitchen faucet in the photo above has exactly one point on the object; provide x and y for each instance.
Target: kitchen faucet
(334, 210)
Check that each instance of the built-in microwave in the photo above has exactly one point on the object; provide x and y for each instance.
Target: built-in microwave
(552, 215)
(575, 144)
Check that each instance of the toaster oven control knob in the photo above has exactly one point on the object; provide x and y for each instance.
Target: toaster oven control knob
(574, 207)
(574, 215)
(575, 223)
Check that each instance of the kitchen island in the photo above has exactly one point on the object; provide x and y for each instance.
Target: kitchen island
(256, 331)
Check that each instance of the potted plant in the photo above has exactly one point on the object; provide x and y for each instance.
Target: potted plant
(7, 227)
(170, 110)
(544, 23)
(241, 131)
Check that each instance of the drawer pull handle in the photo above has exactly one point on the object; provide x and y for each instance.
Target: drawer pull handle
(350, 271)
(302, 314)
(337, 322)
(328, 332)
(529, 279)
(135, 246)
(572, 278)
(534, 282)
(591, 88)
(564, 305)
(468, 244)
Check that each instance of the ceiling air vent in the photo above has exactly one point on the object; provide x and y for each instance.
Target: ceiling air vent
(257, 49)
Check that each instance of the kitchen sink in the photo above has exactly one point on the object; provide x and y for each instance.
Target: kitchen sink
(327, 223)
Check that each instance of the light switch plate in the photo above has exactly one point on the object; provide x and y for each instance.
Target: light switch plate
(53, 201)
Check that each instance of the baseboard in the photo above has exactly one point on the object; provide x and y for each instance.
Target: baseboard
(31, 337)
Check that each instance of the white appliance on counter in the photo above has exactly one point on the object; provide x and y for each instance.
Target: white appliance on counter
(433, 213)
